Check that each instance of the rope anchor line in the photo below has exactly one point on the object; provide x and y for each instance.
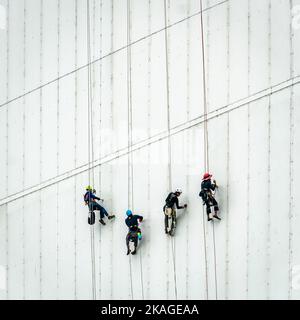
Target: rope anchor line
(206, 159)
(90, 146)
(130, 155)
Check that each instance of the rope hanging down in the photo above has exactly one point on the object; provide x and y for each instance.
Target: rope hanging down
(169, 139)
(130, 155)
(90, 145)
(129, 168)
(206, 155)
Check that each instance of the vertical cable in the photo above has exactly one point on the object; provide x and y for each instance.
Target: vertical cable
(90, 144)
(227, 211)
(268, 246)
(129, 131)
(205, 140)
(7, 146)
(206, 151)
(112, 129)
(227, 158)
(75, 149)
(100, 139)
(188, 104)
(149, 134)
(173, 244)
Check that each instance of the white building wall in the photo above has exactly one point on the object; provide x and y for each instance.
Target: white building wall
(252, 56)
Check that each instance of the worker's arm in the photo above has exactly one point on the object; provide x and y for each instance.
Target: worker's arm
(213, 185)
(140, 218)
(178, 206)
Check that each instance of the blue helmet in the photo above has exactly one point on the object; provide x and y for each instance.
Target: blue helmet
(129, 213)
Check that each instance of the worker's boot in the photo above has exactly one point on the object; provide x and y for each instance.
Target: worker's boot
(216, 216)
(134, 251)
(128, 251)
(209, 217)
(102, 222)
(111, 217)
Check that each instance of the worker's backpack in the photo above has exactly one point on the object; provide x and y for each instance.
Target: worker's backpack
(170, 200)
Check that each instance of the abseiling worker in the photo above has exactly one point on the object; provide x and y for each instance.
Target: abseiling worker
(90, 200)
(134, 232)
(172, 203)
(206, 193)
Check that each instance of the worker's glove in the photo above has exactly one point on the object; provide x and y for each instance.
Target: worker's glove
(215, 183)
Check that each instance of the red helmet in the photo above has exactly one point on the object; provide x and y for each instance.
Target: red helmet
(206, 176)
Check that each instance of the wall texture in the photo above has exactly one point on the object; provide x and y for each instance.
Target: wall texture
(252, 63)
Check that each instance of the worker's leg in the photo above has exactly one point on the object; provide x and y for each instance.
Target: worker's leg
(135, 242)
(208, 210)
(216, 208)
(166, 222)
(215, 204)
(127, 243)
(103, 212)
(174, 217)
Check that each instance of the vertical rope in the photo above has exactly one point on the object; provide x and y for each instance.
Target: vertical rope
(90, 145)
(227, 158)
(75, 149)
(112, 129)
(100, 142)
(205, 141)
(173, 244)
(7, 145)
(148, 154)
(129, 131)
(227, 211)
(206, 151)
(57, 146)
(268, 246)
(188, 104)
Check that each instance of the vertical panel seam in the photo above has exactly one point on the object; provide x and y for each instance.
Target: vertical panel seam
(75, 149)
(269, 155)
(248, 152)
(7, 133)
(291, 152)
(227, 151)
(23, 147)
(41, 147)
